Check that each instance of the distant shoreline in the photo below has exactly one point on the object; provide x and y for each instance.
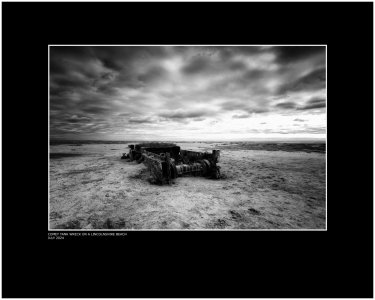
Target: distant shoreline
(307, 141)
(304, 146)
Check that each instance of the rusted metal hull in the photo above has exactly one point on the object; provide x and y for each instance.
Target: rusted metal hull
(167, 161)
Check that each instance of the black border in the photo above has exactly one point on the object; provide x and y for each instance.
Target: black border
(335, 263)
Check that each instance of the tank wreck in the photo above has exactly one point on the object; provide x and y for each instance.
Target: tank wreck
(166, 162)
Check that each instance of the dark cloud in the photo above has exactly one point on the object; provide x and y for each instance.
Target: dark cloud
(79, 63)
(60, 56)
(184, 114)
(222, 52)
(121, 58)
(140, 120)
(316, 101)
(197, 65)
(95, 89)
(314, 104)
(315, 80)
(228, 52)
(254, 74)
(234, 105)
(287, 54)
(242, 105)
(153, 74)
(258, 110)
(237, 66)
(208, 60)
(78, 119)
(299, 120)
(95, 109)
(286, 105)
(105, 68)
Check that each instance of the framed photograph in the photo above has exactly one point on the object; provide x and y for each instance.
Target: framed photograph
(244, 127)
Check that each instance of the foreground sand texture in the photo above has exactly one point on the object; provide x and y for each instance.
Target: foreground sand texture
(92, 188)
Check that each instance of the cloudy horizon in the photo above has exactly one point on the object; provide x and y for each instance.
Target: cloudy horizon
(187, 92)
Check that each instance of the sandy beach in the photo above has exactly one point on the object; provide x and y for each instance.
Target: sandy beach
(92, 188)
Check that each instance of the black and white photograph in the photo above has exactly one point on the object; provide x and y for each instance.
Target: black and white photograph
(187, 149)
(187, 137)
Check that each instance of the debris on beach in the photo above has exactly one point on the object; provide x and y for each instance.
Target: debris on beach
(167, 161)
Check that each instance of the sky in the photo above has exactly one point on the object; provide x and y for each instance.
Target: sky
(178, 93)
